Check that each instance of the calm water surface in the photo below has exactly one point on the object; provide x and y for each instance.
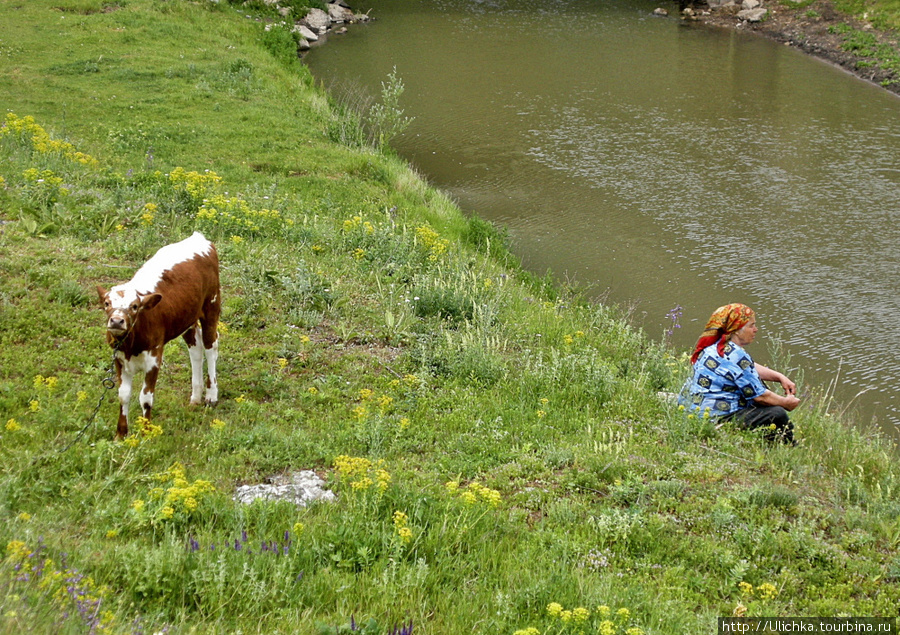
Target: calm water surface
(666, 165)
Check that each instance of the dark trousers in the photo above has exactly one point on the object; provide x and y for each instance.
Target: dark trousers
(756, 416)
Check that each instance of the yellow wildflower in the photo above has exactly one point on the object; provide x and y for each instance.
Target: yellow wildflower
(366, 393)
(580, 614)
(24, 516)
(400, 519)
(767, 591)
(384, 479)
(282, 362)
(112, 533)
(554, 609)
(746, 588)
(137, 505)
(565, 616)
(12, 425)
(312, 390)
(216, 424)
(34, 405)
(404, 423)
(241, 399)
(298, 528)
(81, 395)
(362, 484)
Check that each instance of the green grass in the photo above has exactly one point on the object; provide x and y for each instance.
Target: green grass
(373, 334)
(883, 14)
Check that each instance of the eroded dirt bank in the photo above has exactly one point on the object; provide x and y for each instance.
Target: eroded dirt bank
(820, 30)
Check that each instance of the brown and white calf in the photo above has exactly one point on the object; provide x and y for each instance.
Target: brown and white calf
(174, 293)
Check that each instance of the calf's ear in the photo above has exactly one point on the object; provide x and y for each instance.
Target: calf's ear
(150, 301)
(102, 293)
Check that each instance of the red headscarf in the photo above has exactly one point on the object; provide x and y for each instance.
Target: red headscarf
(724, 321)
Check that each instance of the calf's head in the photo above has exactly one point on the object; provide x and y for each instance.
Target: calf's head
(123, 306)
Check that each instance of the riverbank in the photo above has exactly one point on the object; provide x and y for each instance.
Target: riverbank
(819, 29)
(499, 452)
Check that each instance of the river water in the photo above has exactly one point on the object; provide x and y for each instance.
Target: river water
(666, 165)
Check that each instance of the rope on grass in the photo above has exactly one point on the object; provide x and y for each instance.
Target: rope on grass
(108, 383)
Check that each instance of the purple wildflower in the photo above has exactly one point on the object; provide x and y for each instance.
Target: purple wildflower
(403, 629)
(674, 315)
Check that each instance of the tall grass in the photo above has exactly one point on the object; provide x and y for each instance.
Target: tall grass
(502, 460)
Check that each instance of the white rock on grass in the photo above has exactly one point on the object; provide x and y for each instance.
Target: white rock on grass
(300, 488)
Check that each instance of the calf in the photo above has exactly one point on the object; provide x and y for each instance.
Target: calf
(175, 293)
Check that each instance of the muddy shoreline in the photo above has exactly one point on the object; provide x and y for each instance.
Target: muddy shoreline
(808, 29)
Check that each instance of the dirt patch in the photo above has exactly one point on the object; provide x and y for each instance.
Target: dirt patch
(819, 30)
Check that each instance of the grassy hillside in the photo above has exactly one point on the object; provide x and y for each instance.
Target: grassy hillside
(501, 458)
(884, 14)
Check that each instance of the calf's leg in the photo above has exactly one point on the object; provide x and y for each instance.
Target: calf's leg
(211, 348)
(152, 363)
(192, 337)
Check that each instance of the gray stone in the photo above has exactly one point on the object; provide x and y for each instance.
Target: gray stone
(299, 488)
(305, 32)
(748, 5)
(317, 20)
(753, 15)
(337, 13)
(660, 12)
